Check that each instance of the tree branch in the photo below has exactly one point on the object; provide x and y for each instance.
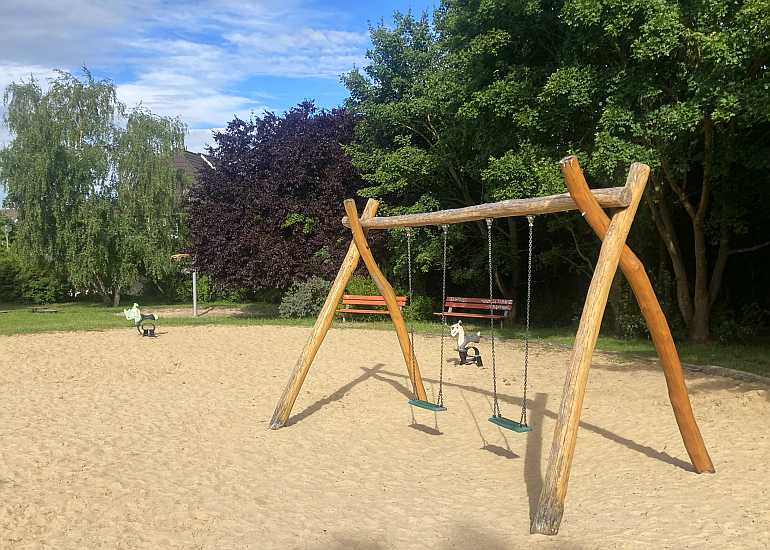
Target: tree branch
(749, 248)
(678, 190)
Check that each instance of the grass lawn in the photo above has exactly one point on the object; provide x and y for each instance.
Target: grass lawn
(20, 319)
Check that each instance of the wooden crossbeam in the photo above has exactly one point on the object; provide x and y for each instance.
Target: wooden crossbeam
(614, 197)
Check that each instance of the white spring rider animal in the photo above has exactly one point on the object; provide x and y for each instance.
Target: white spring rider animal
(464, 345)
(141, 319)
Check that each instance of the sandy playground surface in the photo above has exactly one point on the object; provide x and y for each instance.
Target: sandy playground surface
(108, 440)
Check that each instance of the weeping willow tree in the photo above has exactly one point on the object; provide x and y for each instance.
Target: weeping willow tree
(94, 183)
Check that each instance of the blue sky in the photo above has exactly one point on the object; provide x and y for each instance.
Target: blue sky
(202, 61)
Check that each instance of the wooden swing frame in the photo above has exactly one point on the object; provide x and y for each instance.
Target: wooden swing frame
(612, 231)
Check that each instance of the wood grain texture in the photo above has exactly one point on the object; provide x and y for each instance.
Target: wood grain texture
(635, 273)
(321, 327)
(550, 509)
(359, 237)
(615, 197)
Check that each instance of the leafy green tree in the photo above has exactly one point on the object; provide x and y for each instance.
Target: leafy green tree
(429, 140)
(481, 105)
(93, 183)
(685, 87)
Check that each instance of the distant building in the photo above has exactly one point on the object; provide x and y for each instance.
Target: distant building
(189, 165)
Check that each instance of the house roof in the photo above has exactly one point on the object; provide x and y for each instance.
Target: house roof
(192, 163)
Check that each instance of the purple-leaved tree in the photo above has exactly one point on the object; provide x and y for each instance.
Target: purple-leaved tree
(270, 212)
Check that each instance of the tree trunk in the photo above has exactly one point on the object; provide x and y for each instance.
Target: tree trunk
(721, 262)
(615, 303)
(661, 215)
(116, 296)
(699, 330)
(515, 269)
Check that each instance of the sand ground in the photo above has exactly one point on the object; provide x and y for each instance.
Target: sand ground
(108, 440)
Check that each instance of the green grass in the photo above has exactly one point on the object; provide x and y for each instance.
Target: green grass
(749, 357)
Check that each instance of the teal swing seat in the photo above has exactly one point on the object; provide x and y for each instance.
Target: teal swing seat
(509, 424)
(427, 405)
(421, 403)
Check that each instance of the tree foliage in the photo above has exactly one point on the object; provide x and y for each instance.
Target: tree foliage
(92, 182)
(270, 212)
(481, 105)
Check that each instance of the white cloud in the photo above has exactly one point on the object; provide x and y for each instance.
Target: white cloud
(190, 60)
(197, 139)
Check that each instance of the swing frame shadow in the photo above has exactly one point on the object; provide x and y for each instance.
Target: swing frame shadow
(614, 253)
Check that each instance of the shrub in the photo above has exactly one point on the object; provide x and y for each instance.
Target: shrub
(183, 289)
(304, 298)
(420, 309)
(41, 286)
(9, 279)
(728, 327)
(362, 285)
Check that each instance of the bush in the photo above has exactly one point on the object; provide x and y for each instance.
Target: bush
(304, 298)
(421, 309)
(9, 279)
(40, 286)
(727, 327)
(362, 285)
(183, 289)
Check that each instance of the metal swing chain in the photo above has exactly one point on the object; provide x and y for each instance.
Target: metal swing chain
(440, 400)
(523, 420)
(495, 403)
(409, 270)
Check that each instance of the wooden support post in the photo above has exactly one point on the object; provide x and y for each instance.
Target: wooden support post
(634, 271)
(321, 327)
(550, 508)
(359, 237)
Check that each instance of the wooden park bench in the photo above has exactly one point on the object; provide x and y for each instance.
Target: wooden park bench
(477, 306)
(367, 305)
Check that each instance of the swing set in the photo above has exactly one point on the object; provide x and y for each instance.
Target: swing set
(497, 417)
(612, 231)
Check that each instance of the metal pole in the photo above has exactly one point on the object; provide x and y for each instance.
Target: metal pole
(195, 293)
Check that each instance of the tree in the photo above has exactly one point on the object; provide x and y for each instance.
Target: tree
(94, 198)
(482, 105)
(684, 86)
(429, 139)
(270, 213)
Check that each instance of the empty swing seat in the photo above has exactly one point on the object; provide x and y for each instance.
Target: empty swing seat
(427, 405)
(509, 424)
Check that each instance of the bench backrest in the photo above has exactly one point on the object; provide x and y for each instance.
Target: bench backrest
(497, 304)
(362, 300)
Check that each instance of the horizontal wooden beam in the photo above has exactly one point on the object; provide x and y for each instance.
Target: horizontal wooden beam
(613, 197)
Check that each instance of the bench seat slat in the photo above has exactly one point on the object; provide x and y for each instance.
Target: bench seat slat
(473, 315)
(375, 311)
(372, 302)
(470, 305)
(501, 301)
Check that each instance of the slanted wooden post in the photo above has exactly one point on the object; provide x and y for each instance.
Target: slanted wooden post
(550, 508)
(660, 333)
(359, 237)
(321, 327)
(326, 316)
